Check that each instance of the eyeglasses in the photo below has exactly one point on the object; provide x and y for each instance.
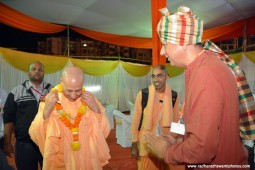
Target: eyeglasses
(153, 76)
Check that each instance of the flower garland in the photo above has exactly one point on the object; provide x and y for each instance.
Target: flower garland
(65, 118)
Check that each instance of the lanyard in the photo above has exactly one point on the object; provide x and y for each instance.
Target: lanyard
(35, 90)
(39, 95)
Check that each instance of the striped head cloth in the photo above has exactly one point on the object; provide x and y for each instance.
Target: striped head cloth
(246, 99)
(181, 28)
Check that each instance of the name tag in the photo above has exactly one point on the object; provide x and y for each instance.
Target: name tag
(177, 128)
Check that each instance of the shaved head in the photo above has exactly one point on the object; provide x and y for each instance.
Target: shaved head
(72, 80)
(36, 72)
(161, 67)
(73, 74)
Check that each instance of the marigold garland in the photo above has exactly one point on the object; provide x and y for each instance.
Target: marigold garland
(65, 118)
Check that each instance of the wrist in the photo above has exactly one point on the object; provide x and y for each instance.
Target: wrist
(46, 115)
(95, 109)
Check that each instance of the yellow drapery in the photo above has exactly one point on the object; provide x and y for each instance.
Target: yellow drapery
(237, 57)
(21, 60)
(250, 55)
(136, 69)
(174, 71)
(95, 67)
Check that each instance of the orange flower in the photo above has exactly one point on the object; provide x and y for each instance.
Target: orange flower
(75, 137)
(65, 118)
(71, 126)
(58, 106)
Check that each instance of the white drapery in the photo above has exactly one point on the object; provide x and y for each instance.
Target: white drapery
(118, 87)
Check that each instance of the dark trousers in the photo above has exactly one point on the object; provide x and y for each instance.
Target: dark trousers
(27, 156)
(4, 165)
(2, 143)
(251, 158)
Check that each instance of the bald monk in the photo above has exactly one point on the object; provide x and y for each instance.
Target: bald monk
(71, 126)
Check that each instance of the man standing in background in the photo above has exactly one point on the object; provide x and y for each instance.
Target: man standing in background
(3, 96)
(155, 108)
(20, 110)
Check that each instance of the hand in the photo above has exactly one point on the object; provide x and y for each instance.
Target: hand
(8, 149)
(179, 138)
(170, 138)
(157, 144)
(50, 101)
(89, 98)
(134, 150)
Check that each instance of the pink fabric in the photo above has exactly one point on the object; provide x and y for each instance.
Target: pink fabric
(211, 116)
(54, 139)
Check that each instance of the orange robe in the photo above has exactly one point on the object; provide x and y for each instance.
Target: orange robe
(54, 139)
(155, 111)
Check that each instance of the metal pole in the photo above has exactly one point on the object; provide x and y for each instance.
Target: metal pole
(68, 41)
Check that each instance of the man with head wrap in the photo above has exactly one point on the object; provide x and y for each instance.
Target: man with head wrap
(211, 112)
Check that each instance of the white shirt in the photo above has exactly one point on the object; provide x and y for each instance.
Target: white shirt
(3, 96)
(37, 91)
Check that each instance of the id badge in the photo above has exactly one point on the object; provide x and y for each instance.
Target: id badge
(177, 128)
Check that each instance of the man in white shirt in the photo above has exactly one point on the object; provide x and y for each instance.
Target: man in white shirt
(3, 96)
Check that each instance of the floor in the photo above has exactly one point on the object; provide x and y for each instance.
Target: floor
(120, 157)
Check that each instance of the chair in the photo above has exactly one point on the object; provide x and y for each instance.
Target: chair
(123, 123)
(109, 114)
(131, 108)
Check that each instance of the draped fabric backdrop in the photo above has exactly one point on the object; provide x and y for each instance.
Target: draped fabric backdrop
(119, 81)
(22, 21)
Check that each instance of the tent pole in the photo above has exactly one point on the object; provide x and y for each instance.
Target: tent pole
(156, 44)
(68, 53)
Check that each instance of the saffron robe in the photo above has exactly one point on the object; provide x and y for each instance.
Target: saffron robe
(155, 111)
(211, 116)
(54, 138)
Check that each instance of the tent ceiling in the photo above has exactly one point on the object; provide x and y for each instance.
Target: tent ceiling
(128, 17)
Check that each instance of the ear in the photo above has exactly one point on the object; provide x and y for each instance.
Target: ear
(167, 76)
(61, 82)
